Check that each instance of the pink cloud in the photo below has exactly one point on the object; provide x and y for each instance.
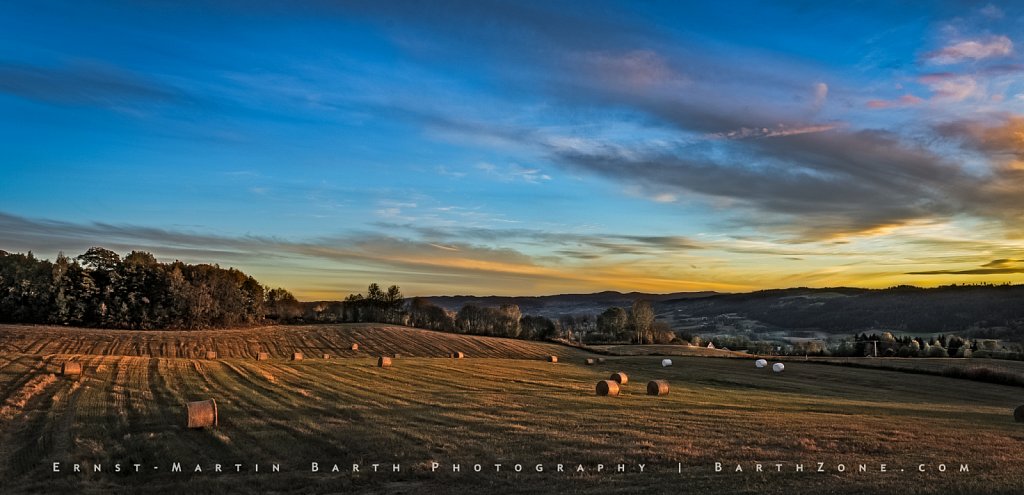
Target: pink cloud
(903, 101)
(996, 46)
(955, 89)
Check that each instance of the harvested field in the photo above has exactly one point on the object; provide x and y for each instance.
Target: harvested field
(310, 340)
(664, 350)
(499, 410)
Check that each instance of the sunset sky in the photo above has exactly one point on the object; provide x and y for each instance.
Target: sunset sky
(521, 148)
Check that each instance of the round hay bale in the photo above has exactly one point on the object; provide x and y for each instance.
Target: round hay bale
(211, 354)
(71, 368)
(665, 363)
(202, 414)
(552, 359)
(458, 355)
(607, 387)
(397, 355)
(384, 362)
(657, 387)
(263, 356)
(778, 367)
(600, 360)
(761, 363)
(620, 377)
(1018, 414)
(355, 347)
(327, 356)
(297, 356)
(589, 361)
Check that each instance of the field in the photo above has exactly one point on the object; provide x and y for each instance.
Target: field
(278, 341)
(502, 404)
(666, 350)
(930, 364)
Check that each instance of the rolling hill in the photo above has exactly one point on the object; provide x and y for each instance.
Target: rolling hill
(279, 341)
(563, 304)
(982, 311)
(488, 411)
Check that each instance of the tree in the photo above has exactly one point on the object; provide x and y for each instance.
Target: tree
(393, 303)
(509, 320)
(661, 333)
(537, 327)
(424, 314)
(99, 259)
(614, 322)
(641, 318)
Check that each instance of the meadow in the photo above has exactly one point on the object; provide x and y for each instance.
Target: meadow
(502, 404)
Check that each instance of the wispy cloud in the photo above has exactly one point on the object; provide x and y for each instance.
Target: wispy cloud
(969, 50)
(514, 172)
(992, 11)
(776, 131)
(83, 83)
(906, 100)
(820, 96)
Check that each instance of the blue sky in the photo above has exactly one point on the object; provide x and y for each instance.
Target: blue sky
(521, 147)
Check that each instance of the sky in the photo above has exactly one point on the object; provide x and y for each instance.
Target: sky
(521, 148)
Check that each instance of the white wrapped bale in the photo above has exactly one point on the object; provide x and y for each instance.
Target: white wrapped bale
(778, 367)
(665, 363)
(761, 363)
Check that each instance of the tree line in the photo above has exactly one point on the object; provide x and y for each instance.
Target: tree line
(635, 325)
(101, 289)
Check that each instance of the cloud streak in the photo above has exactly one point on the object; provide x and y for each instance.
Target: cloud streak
(970, 50)
(87, 84)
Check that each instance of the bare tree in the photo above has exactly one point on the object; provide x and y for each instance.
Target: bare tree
(641, 318)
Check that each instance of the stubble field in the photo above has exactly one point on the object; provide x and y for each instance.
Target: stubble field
(503, 404)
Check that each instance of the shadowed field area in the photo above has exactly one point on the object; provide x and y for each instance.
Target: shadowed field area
(666, 350)
(928, 364)
(130, 409)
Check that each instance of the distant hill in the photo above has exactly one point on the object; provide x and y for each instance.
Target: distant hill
(984, 311)
(564, 304)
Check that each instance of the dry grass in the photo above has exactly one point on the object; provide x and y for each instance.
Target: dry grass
(500, 410)
(981, 370)
(664, 350)
(312, 340)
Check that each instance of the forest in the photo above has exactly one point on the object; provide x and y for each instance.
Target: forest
(101, 289)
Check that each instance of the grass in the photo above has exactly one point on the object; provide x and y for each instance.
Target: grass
(981, 370)
(278, 341)
(493, 410)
